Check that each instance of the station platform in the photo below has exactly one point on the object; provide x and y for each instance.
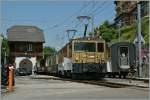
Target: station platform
(142, 79)
(134, 82)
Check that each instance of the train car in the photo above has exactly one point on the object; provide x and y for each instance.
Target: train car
(83, 58)
(53, 64)
(122, 57)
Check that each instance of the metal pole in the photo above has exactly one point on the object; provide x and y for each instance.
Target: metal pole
(93, 25)
(0, 58)
(4, 56)
(93, 20)
(86, 25)
(139, 39)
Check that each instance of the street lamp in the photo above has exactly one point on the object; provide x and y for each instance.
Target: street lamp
(85, 20)
(71, 32)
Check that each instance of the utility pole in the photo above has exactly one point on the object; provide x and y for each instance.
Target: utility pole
(119, 24)
(93, 20)
(139, 39)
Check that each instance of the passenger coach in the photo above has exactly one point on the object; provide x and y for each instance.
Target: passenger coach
(122, 57)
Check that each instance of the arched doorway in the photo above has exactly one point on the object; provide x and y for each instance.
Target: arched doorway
(26, 66)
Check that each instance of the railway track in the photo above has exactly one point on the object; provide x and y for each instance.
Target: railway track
(100, 83)
(107, 82)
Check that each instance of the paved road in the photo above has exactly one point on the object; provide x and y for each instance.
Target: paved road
(42, 89)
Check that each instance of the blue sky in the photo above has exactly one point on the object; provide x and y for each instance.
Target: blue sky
(55, 17)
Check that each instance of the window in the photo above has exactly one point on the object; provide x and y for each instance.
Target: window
(124, 55)
(29, 47)
(100, 47)
(23, 47)
(84, 46)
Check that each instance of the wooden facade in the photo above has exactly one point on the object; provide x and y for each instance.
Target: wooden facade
(28, 49)
(25, 41)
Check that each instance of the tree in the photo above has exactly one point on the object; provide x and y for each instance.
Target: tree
(48, 51)
(105, 31)
(5, 52)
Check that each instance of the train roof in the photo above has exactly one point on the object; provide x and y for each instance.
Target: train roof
(121, 43)
(88, 38)
(83, 39)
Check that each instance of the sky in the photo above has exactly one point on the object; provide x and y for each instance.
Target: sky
(55, 17)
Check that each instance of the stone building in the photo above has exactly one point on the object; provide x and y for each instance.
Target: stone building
(126, 11)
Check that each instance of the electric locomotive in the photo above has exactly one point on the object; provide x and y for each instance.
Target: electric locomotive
(82, 58)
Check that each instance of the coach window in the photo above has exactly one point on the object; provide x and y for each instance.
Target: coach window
(100, 47)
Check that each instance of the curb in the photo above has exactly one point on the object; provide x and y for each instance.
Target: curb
(145, 80)
(52, 78)
(55, 78)
(131, 85)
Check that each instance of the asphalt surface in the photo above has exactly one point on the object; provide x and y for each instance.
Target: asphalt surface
(43, 89)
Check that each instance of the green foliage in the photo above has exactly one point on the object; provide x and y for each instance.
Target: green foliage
(5, 47)
(48, 51)
(5, 52)
(105, 31)
(128, 33)
(145, 29)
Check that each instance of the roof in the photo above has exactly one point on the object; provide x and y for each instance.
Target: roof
(23, 33)
(89, 38)
(83, 39)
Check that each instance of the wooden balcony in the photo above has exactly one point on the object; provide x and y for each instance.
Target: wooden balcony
(28, 54)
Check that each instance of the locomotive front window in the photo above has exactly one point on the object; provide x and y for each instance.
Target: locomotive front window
(84, 46)
(100, 47)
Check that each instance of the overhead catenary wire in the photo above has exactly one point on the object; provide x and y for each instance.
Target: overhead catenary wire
(98, 10)
(59, 37)
(92, 11)
(67, 19)
(102, 9)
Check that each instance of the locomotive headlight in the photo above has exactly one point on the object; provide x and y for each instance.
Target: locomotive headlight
(84, 56)
(76, 59)
(91, 56)
(98, 56)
